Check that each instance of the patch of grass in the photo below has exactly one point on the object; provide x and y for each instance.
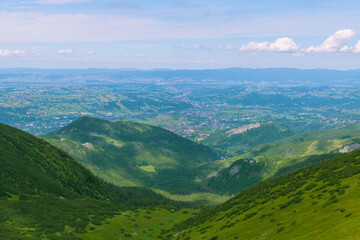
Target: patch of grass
(145, 228)
(148, 168)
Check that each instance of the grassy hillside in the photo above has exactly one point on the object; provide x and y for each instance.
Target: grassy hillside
(244, 173)
(239, 140)
(44, 193)
(278, 158)
(133, 154)
(317, 202)
(307, 143)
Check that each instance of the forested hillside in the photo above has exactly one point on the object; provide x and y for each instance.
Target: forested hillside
(45, 192)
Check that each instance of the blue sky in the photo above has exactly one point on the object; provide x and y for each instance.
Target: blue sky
(180, 34)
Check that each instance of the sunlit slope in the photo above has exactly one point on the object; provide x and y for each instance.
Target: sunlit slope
(279, 158)
(46, 193)
(308, 143)
(133, 154)
(317, 202)
(238, 140)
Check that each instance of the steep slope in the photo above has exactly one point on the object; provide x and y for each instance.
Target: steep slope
(245, 172)
(280, 157)
(44, 192)
(31, 166)
(317, 202)
(238, 140)
(133, 154)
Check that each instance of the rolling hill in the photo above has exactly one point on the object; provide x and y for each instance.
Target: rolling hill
(133, 154)
(317, 202)
(45, 193)
(241, 139)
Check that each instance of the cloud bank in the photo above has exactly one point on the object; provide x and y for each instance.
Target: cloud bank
(335, 43)
(65, 51)
(16, 53)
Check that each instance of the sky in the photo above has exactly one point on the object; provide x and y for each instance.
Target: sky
(148, 34)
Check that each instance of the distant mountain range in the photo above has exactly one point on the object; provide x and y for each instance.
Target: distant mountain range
(228, 76)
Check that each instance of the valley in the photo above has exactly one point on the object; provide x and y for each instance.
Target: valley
(179, 120)
(75, 204)
(41, 102)
(177, 161)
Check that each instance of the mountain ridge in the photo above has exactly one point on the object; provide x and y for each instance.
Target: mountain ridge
(241, 139)
(133, 154)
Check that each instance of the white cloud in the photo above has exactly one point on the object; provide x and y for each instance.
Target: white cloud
(345, 49)
(196, 46)
(16, 53)
(171, 54)
(90, 52)
(284, 44)
(132, 56)
(55, 2)
(65, 51)
(334, 43)
(229, 47)
(64, 27)
(356, 48)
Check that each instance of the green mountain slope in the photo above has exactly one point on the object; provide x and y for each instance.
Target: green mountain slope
(238, 140)
(307, 143)
(317, 202)
(31, 166)
(133, 154)
(46, 193)
(243, 173)
(278, 158)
